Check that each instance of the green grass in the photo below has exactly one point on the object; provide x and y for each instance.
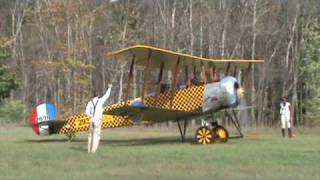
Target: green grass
(151, 153)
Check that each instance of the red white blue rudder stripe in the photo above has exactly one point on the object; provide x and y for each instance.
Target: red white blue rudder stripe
(41, 118)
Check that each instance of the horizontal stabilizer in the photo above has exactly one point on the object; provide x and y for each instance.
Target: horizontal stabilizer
(56, 122)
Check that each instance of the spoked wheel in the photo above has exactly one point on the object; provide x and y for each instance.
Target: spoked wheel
(221, 133)
(204, 135)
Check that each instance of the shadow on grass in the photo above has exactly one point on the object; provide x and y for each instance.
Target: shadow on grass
(145, 141)
(123, 142)
(117, 142)
(135, 142)
(79, 148)
(51, 140)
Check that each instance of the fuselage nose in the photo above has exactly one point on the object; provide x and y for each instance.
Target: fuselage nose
(220, 95)
(230, 87)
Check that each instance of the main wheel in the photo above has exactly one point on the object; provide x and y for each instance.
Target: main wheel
(221, 133)
(204, 135)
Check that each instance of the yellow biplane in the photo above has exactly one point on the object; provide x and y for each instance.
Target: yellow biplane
(185, 87)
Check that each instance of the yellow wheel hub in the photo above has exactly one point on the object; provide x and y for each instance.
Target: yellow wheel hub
(222, 134)
(204, 135)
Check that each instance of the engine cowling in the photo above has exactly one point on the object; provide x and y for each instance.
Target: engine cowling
(219, 95)
(42, 117)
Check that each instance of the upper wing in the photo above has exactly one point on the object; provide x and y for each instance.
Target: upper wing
(152, 114)
(157, 56)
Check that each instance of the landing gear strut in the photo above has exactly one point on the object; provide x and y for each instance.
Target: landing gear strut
(182, 131)
(71, 136)
(211, 132)
(234, 119)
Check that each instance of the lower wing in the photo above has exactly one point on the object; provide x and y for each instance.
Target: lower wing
(151, 114)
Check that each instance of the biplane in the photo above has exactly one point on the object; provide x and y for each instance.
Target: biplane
(170, 90)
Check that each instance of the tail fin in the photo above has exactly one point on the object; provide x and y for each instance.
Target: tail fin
(41, 117)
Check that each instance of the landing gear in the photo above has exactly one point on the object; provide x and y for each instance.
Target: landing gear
(182, 131)
(71, 136)
(231, 116)
(211, 132)
(204, 135)
(221, 133)
(208, 135)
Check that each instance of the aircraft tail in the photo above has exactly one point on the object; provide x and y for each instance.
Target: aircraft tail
(42, 118)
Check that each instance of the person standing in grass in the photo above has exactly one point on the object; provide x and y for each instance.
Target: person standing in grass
(94, 110)
(285, 114)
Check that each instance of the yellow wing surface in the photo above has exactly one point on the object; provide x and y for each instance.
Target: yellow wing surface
(141, 54)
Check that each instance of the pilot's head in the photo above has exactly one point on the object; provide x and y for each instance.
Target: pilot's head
(284, 98)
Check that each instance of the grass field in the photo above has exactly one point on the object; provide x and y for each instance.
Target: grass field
(151, 153)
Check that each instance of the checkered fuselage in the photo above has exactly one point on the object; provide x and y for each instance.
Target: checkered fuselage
(188, 100)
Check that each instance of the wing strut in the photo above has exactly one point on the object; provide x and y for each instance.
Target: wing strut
(130, 79)
(203, 73)
(159, 81)
(174, 82)
(227, 69)
(146, 76)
